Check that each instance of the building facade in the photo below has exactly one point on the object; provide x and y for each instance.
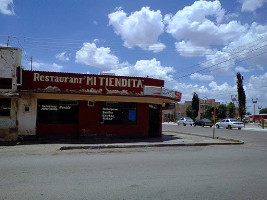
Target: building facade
(175, 111)
(52, 104)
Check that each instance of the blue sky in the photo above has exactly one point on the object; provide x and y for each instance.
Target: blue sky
(195, 46)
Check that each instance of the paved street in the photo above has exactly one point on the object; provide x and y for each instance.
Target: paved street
(210, 172)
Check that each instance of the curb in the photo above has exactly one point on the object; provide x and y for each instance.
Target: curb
(219, 138)
(113, 146)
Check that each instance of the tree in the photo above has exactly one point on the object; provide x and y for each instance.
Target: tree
(263, 111)
(241, 95)
(222, 109)
(195, 105)
(189, 111)
(231, 110)
(208, 112)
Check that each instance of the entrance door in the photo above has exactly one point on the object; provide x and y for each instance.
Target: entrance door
(154, 120)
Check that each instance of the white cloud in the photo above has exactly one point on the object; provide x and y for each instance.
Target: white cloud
(252, 45)
(220, 63)
(93, 56)
(156, 48)
(62, 57)
(187, 49)
(252, 5)
(151, 68)
(256, 87)
(214, 90)
(194, 26)
(241, 69)
(141, 28)
(201, 77)
(41, 66)
(7, 7)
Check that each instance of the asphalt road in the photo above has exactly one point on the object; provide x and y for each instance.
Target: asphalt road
(212, 172)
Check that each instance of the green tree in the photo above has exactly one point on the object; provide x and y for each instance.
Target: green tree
(189, 111)
(195, 105)
(263, 111)
(208, 112)
(241, 96)
(231, 110)
(222, 110)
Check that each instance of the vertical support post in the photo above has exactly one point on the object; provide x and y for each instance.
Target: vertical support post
(31, 63)
(214, 118)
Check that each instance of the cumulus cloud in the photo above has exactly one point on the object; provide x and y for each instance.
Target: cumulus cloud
(7, 7)
(187, 49)
(256, 87)
(194, 26)
(241, 69)
(141, 28)
(251, 46)
(252, 5)
(41, 66)
(94, 56)
(201, 77)
(220, 63)
(151, 68)
(62, 57)
(220, 92)
(156, 48)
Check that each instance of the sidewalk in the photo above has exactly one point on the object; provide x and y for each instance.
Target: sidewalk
(254, 127)
(168, 139)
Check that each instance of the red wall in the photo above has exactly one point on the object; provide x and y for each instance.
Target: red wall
(89, 122)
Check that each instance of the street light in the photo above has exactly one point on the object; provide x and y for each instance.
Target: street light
(254, 101)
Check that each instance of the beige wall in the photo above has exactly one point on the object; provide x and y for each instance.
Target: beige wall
(10, 59)
(27, 119)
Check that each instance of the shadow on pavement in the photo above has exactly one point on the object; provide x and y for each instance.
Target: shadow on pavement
(94, 140)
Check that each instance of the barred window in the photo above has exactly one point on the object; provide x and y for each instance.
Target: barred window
(57, 111)
(5, 106)
(118, 113)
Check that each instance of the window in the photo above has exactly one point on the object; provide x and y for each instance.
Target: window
(5, 83)
(118, 113)
(57, 112)
(5, 106)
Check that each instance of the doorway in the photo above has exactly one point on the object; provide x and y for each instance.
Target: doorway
(154, 120)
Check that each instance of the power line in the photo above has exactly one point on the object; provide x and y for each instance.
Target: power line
(222, 62)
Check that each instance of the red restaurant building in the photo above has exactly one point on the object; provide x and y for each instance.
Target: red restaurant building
(74, 105)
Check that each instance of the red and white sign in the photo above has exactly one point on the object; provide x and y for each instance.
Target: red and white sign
(161, 91)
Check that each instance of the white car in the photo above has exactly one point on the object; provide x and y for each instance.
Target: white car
(185, 121)
(230, 123)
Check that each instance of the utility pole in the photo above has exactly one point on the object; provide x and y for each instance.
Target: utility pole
(7, 44)
(214, 118)
(31, 63)
(254, 101)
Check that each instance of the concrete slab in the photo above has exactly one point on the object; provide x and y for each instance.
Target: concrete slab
(169, 138)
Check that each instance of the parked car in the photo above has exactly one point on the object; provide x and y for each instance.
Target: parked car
(203, 122)
(230, 123)
(185, 121)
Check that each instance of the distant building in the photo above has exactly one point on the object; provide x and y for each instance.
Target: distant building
(178, 110)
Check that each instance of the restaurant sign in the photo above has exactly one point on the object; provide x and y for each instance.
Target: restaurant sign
(161, 91)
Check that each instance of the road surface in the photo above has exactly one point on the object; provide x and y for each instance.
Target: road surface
(211, 172)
